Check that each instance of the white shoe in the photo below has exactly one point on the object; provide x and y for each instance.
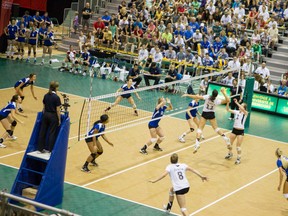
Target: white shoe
(196, 148)
(181, 139)
(227, 140)
(238, 161)
(84, 74)
(165, 209)
(228, 156)
(12, 137)
(202, 137)
(2, 145)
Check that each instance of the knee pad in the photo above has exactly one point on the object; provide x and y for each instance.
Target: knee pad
(14, 123)
(217, 130)
(99, 152)
(10, 132)
(153, 140)
(286, 196)
(199, 131)
(93, 155)
(22, 97)
(183, 209)
(171, 193)
(238, 148)
(162, 138)
(134, 106)
(191, 129)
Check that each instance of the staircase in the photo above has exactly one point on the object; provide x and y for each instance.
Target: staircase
(278, 63)
(111, 7)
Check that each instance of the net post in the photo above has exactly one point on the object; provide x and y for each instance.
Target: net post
(248, 96)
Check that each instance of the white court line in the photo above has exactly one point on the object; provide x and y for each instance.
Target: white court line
(7, 88)
(233, 192)
(15, 153)
(147, 162)
(101, 192)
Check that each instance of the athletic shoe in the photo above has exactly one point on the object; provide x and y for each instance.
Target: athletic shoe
(196, 148)
(42, 63)
(12, 137)
(84, 74)
(227, 140)
(136, 113)
(35, 61)
(2, 145)
(143, 151)
(238, 161)
(181, 139)
(228, 156)
(202, 137)
(71, 70)
(50, 62)
(166, 209)
(85, 169)
(230, 118)
(157, 148)
(93, 163)
(20, 110)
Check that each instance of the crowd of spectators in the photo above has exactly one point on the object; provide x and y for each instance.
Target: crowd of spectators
(209, 33)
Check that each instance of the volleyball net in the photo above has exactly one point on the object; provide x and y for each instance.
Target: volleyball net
(123, 116)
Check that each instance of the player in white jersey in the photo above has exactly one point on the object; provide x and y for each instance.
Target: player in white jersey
(209, 114)
(282, 164)
(238, 129)
(180, 184)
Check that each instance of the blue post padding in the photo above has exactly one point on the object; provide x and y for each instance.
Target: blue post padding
(47, 176)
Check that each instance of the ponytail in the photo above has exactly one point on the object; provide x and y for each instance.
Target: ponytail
(214, 95)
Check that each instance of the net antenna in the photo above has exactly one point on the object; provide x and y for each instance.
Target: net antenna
(122, 116)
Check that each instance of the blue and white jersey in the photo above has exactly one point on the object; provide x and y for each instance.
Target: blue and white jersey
(12, 30)
(21, 35)
(99, 127)
(49, 36)
(85, 56)
(193, 112)
(26, 82)
(7, 110)
(283, 162)
(126, 88)
(33, 37)
(156, 117)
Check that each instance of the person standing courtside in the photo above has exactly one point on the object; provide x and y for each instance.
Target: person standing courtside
(51, 118)
(134, 74)
(86, 15)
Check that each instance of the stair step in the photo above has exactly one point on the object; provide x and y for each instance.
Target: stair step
(30, 170)
(283, 48)
(275, 71)
(279, 64)
(280, 56)
(28, 184)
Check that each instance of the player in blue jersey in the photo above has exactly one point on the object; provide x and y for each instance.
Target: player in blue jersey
(126, 87)
(282, 164)
(192, 119)
(11, 32)
(84, 60)
(21, 41)
(48, 42)
(153, 125)
(9, 120)
(94, 144)
(32, 43)
(21, 84)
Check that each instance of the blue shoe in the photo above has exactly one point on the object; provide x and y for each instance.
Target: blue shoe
(27, 61)
(35, 61)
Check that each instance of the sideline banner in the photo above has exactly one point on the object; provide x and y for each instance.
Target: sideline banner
(6, 6)
(40, 5)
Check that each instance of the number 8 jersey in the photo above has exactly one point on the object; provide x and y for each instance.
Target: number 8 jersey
(209, 106)
(178, 176)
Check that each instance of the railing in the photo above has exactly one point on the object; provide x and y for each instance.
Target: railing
(7, 208)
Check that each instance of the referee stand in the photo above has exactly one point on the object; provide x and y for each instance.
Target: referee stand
(41, 176)
(248, 96)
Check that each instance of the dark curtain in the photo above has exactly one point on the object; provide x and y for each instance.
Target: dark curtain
(55, 8)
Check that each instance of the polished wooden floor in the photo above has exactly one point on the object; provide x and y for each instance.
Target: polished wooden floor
(246, 189)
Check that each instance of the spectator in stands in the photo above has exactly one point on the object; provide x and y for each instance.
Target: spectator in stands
(27, 19)
(154, 73)
(82, 40)
(217, 28)
(228, 80)
(282, 89)
(207, 61)
(188, 36)
(263, 71)
(248, 67)
(215, 48)
(256, 51)
(134, 74)
(143, 55)
(205, 45)
(86, 15)
(99, 24)
(171, 76)
(130, 44)
(106, 18)
(157, 56)
(167, 35)
(203, 86)
(197, 38)
(251, 18)
(234, 63)
(273, 33)
(265, 41)
(255, 37)
(75, 22)
(107, 36)
(225, 19)
(232, 45)
(99, 35)
(170, 53)
(269, 86)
